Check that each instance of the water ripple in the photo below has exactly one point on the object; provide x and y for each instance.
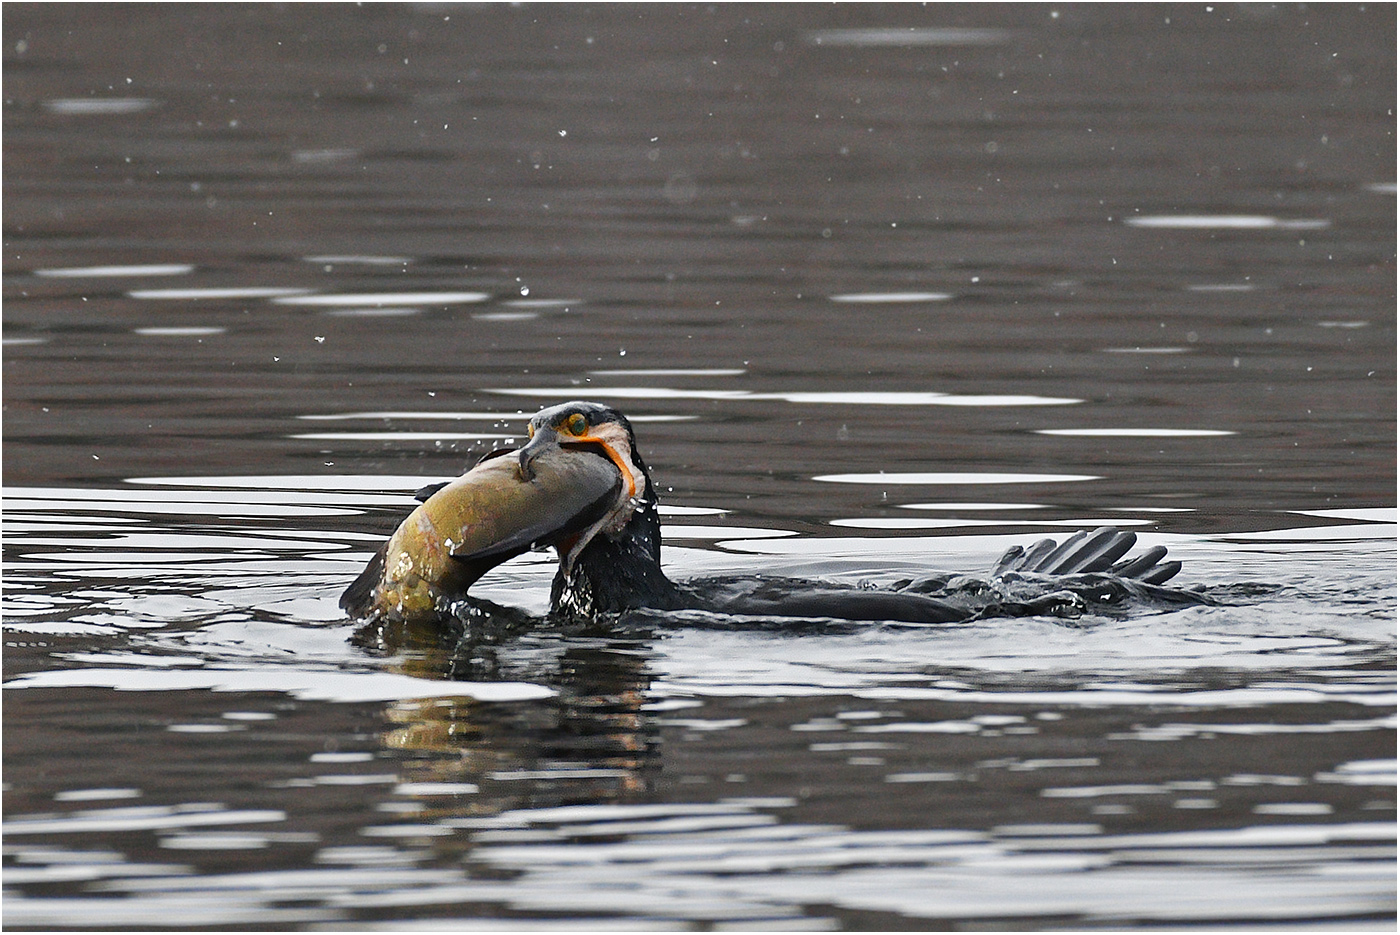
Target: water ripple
(241, 292)
(1136, 433)
(370, 299)
(845, 398)
(913, 36)
(952, 478)
(1224, 222)
(306, 684)
(98, 106)
(882, 298)
(99, 272)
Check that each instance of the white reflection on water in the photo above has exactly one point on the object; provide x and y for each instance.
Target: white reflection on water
(96, 795)
(241, 292)
(886, 37)
(952, 478)
(1136, 433)
(665, 510)
(138, 818)
(403, 436)
(1222, 287)
(1315, 533)
(674, 531)
(81, 866)
(622, 392)
(505, 316)
(386, 298)
(252, 539)
(333, 154)
(542, 303)
(386, 311)
(280, 482)
(1152, 509)
(1174, 731)
(303, 683)
(465, 416)
(881, 298)
(217, 841)
(673, 372)
(899, 522)
(176, 332)
(98, 272)
(252, 502)
(971, 506)
(460, 416)
(428, 789)
(1224, 222)
(1376, 515)
(1362, 773)
(98, 106)
(847, 398)
(920, 399)
(359, 259)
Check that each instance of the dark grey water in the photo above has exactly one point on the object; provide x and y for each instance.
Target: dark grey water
(884, 289)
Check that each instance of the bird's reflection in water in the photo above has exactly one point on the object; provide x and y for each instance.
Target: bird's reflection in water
(592, 742)
(595, 741)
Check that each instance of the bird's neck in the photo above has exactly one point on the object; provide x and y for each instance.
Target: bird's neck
(619, 572)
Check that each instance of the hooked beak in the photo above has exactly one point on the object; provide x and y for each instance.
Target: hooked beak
(543, 441)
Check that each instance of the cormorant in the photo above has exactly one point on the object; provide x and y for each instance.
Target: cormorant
(580, 486)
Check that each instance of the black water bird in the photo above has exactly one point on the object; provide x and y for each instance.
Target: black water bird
(581, 487)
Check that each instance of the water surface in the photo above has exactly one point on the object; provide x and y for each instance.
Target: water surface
(883, 289)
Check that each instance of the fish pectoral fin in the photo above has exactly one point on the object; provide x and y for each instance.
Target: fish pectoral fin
(423, 493)
(494, 453)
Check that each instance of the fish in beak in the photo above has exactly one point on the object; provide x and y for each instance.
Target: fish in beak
(574, 479)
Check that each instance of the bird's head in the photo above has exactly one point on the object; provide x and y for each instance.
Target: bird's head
(603, 431)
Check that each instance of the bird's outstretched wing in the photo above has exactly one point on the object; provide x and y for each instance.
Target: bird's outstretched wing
(1085, 553)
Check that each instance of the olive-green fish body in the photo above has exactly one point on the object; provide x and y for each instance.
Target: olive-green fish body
(488, 515)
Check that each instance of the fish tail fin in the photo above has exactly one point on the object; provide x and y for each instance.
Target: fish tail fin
(358, 599)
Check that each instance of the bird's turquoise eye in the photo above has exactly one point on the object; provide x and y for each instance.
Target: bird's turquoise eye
(576, 424)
